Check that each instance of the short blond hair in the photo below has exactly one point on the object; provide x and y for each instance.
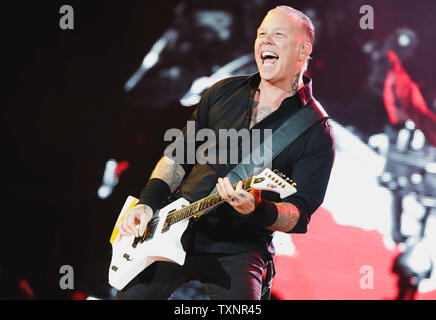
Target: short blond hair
(306, 24)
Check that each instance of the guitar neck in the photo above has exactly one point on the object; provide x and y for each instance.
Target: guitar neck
(201, 205)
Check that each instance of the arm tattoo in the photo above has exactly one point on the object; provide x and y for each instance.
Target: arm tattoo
(169, 171)
(287, 218)
(259, 112)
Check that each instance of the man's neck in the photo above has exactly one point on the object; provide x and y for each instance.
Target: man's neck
(269, 96)
(286, 88)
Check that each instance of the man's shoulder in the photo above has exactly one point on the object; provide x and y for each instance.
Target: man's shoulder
(323, 127)
(321, 134)
(229, 83)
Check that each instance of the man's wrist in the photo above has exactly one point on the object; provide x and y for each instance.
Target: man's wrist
(154, 193)
(264, 215)
(146, 208)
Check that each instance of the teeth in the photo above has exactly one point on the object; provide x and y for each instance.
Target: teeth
(269, 53)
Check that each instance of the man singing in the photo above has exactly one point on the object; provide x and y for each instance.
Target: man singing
(228, 248)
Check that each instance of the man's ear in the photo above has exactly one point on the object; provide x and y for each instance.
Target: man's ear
(305, 50)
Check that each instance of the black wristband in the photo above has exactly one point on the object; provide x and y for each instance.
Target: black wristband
(265, 214)
(155, 193)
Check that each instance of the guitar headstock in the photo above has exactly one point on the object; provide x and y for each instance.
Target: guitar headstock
(274, 181)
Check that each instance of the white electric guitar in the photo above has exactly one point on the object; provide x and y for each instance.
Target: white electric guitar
(162, 238)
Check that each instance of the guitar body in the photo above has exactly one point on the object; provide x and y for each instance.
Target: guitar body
(162, 238)
(166, 245)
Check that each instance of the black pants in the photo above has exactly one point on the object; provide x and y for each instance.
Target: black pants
(224, 277)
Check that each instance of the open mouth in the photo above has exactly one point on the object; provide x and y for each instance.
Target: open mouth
(269, 58)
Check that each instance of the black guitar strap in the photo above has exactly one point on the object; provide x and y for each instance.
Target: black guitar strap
(290, 130)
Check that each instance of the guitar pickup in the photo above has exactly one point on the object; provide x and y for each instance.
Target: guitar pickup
(167, 222)
(149, 232)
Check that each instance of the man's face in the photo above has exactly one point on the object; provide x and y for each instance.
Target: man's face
(277, 47)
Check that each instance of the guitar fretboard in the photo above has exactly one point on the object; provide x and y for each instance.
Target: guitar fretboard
(186, 212)
(200, 205)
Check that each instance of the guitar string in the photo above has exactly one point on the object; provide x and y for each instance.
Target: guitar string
(198, 202)
(170, 216)
(181, 212)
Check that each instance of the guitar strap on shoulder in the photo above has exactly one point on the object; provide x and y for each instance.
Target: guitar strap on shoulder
(290, 130)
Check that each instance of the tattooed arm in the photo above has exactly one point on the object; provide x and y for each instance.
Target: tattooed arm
(246, 202)
(287, 218)
(137, 218)
(169, 171)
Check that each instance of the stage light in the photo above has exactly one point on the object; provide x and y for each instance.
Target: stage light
(104, 192)
(380, 142)
(386, 177)
(404, 135)
(406, 38)
(190, 100)
(412, 267)
(392, 185)
(173, 72)
(111, 175)
(402, 181)
(368, 47)
(216, 20)
(403, 40)
(416, 261)
(416, 178)
(199, 85)
(410, 124)
(109, 172)
(151, 58)
(412, 207)
(430, 167)
(418, 140)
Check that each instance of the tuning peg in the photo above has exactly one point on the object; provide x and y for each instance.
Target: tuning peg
(277, 172)
(290, 181)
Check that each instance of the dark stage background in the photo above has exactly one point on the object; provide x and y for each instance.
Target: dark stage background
(68, 107)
